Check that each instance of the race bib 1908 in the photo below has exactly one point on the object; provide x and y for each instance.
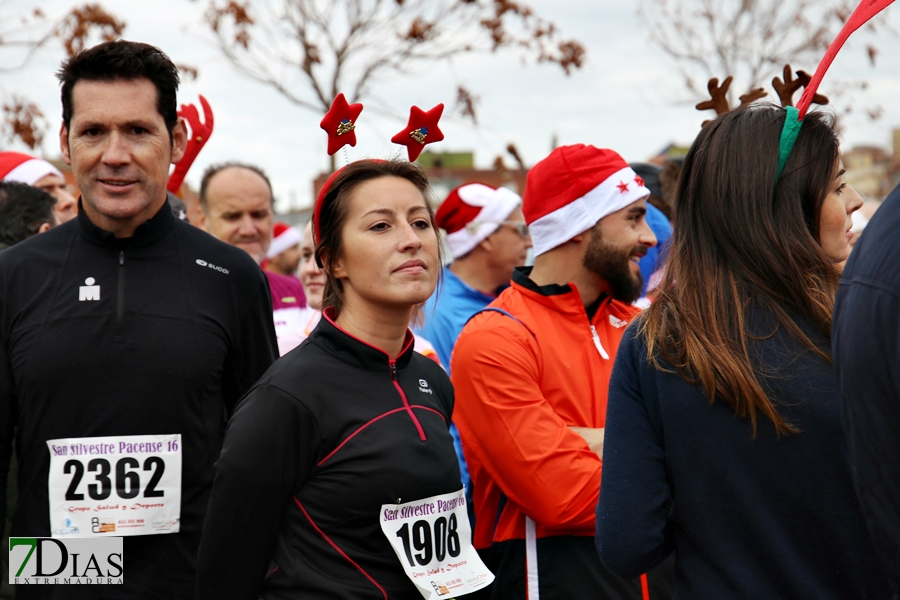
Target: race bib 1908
(115, 486)
(432, 539)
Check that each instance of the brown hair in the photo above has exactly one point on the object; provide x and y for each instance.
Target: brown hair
(335, 206)
(743, 241)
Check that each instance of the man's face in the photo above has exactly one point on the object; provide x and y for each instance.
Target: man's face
(239, 210)
(120, 151)
(617, 243)
(66, 205)
(509, 248)
(288, 261)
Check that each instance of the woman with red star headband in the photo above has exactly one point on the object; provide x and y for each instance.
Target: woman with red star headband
(338, 477)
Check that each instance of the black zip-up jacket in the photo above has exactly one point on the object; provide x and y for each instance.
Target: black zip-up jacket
(333, 431)
(180, 327)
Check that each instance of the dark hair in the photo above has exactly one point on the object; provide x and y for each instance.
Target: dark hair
(123, 60)
(23, 209)
(213, 169)
(743, 241)
(336, 206)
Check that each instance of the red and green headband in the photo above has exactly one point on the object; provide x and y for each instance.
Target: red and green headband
(793, 119)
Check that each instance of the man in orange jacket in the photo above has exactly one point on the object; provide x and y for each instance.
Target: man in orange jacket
(531, 374)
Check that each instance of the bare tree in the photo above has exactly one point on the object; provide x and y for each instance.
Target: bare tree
(750, 40)
(23, 35)
(310, 50)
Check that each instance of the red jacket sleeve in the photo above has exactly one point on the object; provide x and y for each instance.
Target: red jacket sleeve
(511, 429)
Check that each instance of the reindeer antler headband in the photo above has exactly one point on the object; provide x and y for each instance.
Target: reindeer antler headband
(793, 119)
(200, 133)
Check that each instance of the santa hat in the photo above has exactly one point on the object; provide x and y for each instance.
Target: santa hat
(283, 237)
(25, 169)
(472, 212)
(568, 192)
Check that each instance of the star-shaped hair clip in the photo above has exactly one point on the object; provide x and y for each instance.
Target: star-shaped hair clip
(340, 124)
(421, 129)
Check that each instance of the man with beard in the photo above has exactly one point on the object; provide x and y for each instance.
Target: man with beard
(531, 374)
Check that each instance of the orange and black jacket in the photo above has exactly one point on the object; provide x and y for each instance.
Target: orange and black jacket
(521, 380)
(334, 430)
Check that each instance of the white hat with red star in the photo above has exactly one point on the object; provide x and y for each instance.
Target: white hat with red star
(568, 192)
(15, 166)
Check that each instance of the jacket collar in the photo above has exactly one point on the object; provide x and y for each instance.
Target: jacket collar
(564, 298)
(352, 350)
(146, 234)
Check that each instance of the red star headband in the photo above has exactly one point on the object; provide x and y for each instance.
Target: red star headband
(340, 125)
(200, 133)
(421, 129)
(793, 119)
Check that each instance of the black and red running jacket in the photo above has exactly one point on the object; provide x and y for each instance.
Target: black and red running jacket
(331, 432)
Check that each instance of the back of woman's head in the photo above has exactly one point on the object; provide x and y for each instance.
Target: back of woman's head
(333, 207)
(741, 238)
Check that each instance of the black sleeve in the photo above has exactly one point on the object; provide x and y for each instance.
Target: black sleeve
(270, 446)
(8, 411)
(256, 346)
(866, 344)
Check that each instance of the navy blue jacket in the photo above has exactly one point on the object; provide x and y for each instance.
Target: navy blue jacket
(867, 358)
(746, 517)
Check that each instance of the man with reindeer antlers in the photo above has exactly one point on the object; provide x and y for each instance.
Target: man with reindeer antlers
(126, 338)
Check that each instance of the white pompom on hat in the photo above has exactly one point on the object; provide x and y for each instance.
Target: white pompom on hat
(472, 212)
(15, 166)
(284, 237)
(568, 192)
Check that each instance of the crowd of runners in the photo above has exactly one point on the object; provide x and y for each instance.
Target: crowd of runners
(690, 392)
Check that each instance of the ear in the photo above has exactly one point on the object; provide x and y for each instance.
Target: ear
(44, 227)
(337, 269)
(201, 221)
(64, 143)
(486, 244)
(179, 140)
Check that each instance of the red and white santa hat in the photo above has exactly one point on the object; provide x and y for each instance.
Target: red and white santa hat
(284, 236)
(472, 212)
(15, 166)
(568, 192)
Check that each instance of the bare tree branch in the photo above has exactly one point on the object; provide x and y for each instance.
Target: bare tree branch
(309, 50)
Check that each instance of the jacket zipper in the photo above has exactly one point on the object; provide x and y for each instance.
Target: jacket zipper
(405, 401)
(120, 299)
(597, 343)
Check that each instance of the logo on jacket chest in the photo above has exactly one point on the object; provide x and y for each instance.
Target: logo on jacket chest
(423, 387)
(89, 292)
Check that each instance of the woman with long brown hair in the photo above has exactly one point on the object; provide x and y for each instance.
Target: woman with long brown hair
(341, 453)
(724, 442)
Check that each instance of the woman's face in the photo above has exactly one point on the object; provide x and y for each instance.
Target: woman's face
(390, 248)
(835, 222)
(311, 276)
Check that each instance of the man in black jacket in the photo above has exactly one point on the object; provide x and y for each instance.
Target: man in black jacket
(126, 338)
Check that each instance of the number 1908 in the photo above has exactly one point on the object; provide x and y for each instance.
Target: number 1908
(445, 540)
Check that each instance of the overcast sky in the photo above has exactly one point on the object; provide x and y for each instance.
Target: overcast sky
(627, 97)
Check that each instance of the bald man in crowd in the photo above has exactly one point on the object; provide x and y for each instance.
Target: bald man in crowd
(238, 209)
